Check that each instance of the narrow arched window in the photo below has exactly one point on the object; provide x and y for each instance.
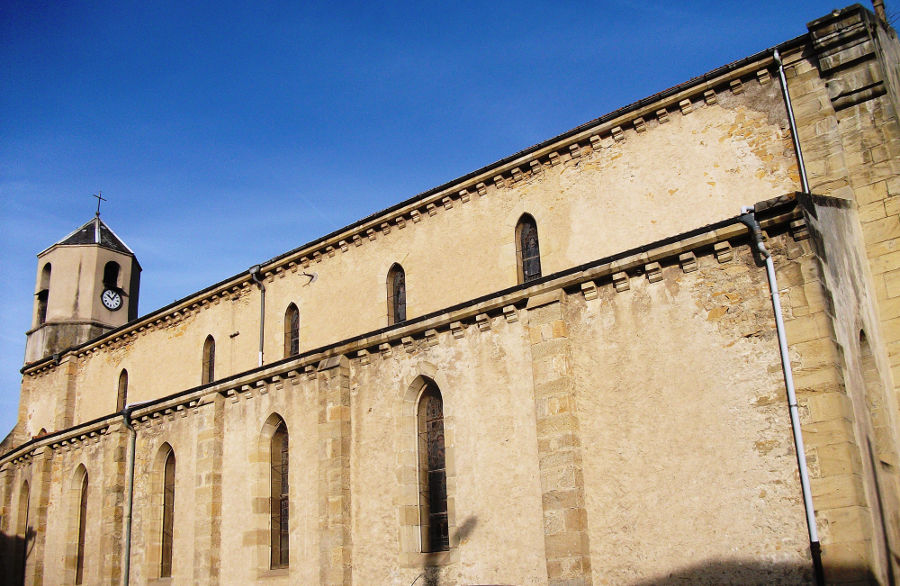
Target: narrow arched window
(209, 360)
(122, 394)
(168, 516)
(291, 331)
(528, 249)
(82, 523)
(43, 294)
(396, 290)
(432, 472)
(279, 503)
(25, 536)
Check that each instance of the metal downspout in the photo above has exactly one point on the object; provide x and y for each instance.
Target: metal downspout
(790, 112)
(129, 493)
(748, 217)
(254, 272)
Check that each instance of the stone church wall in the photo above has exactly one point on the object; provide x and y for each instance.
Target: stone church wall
(720, 156)
(621, 420)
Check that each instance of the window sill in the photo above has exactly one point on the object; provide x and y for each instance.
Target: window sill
(273, 573)
(426, 560)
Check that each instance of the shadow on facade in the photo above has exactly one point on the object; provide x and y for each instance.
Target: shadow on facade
(755, 572)
(434, 562)
(12, 555)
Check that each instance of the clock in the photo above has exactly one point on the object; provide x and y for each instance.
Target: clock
(111, 299)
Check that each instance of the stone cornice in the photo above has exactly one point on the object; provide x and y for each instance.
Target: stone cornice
(781, 214)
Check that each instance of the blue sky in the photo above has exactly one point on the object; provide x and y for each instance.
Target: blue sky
(223, 134)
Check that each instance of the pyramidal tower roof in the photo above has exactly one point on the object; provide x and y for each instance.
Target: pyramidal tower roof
(95, 231)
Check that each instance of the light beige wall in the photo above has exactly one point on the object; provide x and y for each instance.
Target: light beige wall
(718, 157)
(245, 477)
(689, 461)
(494, 491)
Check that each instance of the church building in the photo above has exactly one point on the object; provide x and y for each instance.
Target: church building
(661, 347)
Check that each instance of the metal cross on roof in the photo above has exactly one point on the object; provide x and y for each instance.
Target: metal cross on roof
(99, 196)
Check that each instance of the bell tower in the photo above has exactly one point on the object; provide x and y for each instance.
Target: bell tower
(87, 284)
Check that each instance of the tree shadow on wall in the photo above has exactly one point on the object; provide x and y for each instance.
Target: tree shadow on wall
(12, 556)
(435, 562)
(755, 572)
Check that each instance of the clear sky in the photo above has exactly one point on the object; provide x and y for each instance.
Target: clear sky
(227, 133)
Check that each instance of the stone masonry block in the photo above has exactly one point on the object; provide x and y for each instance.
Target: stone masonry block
(620, 281)
(654, 272)
(589, 290)
(723, 251)
(837, 491)
(688, 261)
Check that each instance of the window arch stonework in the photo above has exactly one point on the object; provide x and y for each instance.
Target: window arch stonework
(270, 482)
(279, 534)
(23, 531)
(161, 506)
(77, 501)
(167, 537)
(416, 533)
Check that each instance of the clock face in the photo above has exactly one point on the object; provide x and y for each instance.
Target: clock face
(112, 300)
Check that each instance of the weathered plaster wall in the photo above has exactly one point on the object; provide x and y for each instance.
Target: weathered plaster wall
(688, 455)
(719, 155)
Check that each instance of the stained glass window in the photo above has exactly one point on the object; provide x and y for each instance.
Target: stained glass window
(209, 360)
(432, 472)
(279, 503)
(396, 295)
(82, 522)
(291, 331)
(528, 248)
(168, 524)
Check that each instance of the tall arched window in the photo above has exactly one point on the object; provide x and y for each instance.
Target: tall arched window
(396, 292)
(168, 516)
(82, 524)
(527, 249)
(279, 502)
(122, 394)
(22, 532)
(209, 360)
(432, 471)
(291, 331)
(111, 275)
(43, 294)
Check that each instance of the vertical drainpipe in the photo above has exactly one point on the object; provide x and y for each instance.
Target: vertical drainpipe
(254, 273)
(748, 218)
(804, 184)
(129, 493)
